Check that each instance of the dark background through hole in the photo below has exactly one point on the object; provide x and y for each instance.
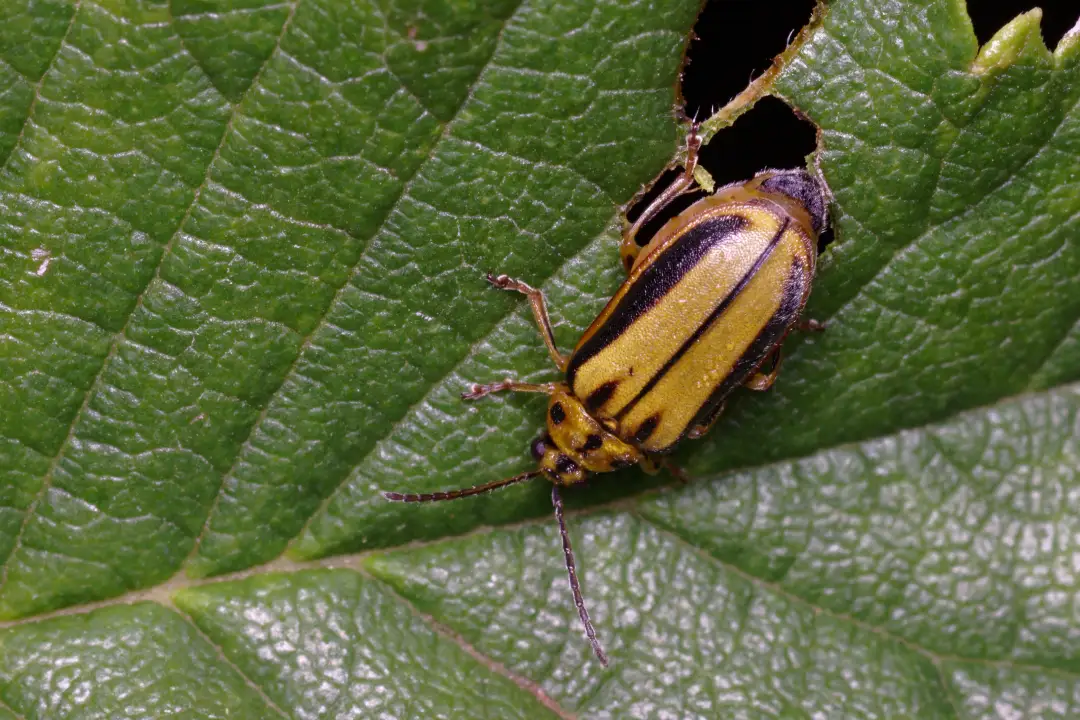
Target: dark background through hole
(737, 40)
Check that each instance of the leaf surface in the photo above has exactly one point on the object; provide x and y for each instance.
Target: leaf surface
(243, 245)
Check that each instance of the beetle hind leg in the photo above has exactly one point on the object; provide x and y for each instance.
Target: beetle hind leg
(761, 381)
(764, 380)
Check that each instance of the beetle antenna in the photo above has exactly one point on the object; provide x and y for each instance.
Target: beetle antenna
(464, 492)
(571, 571)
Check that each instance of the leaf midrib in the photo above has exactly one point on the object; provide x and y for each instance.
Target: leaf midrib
(161, 595)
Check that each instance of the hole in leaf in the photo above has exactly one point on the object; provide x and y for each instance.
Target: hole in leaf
(770, 135)
(988, 16)
(736, 42)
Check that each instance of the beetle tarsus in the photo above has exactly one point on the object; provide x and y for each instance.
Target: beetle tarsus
(811, 325)
(675, 471)
(476, 390)
(505, 282)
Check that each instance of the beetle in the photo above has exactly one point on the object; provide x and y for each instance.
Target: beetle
(705, 305)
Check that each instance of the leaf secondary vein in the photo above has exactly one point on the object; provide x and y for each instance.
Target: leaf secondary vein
(40, 83)
(91, 390)
(490, 663)
(946, 690)
(5, 706)
(933, 656)
(322, 322)
(225, 659)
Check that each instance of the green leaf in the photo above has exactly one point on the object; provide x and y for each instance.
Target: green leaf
(140, 660)
(242, 248)
(221, 308)
(877, 579)
(957, 275)
(327, 642)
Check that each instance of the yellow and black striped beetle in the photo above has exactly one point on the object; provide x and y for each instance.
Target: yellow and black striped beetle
(707, 302)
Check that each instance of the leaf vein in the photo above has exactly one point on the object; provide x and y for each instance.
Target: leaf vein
(93, 387)
(842, 618)
(220, 652)
(494, 666)
(324, 321)
(40, 83)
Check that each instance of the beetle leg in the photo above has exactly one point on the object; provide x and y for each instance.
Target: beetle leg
(539, 308)
(676, 472)
(700, 429)
(629, 248)
(763, 381)
(479, 391)
(653, 464)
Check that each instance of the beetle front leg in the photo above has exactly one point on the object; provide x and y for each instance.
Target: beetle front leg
(539, 308)
(629, 248)
(653, 464)
(478, 391)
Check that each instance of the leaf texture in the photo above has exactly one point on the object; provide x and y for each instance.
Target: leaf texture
(242, 249)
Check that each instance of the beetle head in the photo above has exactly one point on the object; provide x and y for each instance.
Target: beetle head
(558, 465)
(803, 188)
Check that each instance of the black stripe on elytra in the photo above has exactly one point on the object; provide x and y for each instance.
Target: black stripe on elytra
(647, 428)
(713, 316)
(768, 340)
(600, 395)
(656, 281)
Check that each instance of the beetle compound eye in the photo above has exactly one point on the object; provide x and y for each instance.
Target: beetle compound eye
(538, 447)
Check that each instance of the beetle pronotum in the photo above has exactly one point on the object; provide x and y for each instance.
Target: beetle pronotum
(706, 303)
